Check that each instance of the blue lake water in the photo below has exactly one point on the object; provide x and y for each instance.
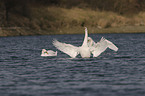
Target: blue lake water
(23, 72)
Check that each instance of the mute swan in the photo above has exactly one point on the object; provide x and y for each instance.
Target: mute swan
(73, 51)
(99, 47)
(48, 53)
(88, 47)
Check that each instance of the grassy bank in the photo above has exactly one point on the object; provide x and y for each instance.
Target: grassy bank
(56, 20)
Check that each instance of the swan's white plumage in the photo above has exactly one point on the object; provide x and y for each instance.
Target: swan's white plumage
(48, 53)
(69, 49)
(84, 50)
(101, 46)
(73, 51)
(88, 47)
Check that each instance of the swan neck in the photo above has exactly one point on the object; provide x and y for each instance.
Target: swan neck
(85, 38)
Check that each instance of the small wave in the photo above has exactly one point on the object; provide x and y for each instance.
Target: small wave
(119, 57)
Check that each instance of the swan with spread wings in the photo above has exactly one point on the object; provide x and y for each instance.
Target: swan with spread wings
(99, 47)
(72, 50)
(88, 47)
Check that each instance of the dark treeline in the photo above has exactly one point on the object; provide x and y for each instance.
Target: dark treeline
(23, 7)
(120, 6)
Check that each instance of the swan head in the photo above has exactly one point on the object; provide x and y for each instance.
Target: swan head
(90, 39)
(43, 50)
(85, 29)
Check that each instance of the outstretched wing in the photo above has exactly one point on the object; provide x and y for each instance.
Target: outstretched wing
(111, 45)
(101, 46)
(69, 49)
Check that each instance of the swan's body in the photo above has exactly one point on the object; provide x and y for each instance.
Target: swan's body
(84, 50)
(99, 47)
(48, 53)
(88, 47)
(73, 51)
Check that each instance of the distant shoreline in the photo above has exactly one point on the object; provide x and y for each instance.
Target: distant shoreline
(51, 20)
(21, 31)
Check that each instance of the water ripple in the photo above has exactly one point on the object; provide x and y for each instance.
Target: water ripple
(23, 72)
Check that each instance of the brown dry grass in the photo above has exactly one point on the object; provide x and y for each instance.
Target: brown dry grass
(56, 20)
(86, 17)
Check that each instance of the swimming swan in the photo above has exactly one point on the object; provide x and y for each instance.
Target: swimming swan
(99, 47)
(48, 53)
(88, 47)
(73, 51)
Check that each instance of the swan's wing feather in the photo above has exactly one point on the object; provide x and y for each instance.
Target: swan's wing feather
(101, 46)
(69, 49)
(111, 45)
(51, 52)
